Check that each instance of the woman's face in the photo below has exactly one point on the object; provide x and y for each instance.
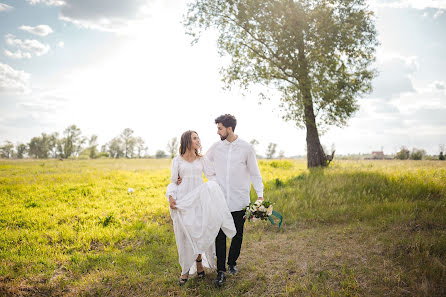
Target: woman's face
(195, 141)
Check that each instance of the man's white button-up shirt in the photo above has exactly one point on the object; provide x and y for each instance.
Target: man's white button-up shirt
(236, 167)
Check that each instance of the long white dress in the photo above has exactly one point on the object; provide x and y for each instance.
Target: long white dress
(201, 212)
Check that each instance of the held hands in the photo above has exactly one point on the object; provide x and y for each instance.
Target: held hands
(179, 180)
(172, 203)
(260, 198)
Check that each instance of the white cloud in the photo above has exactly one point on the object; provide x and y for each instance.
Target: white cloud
(395, 76)
(103, 15)
(18, 54)
(5, 7)
(47, 2)
(61, 44)
(41, 30)
(438, 13)
(13, 81)
(25, 48)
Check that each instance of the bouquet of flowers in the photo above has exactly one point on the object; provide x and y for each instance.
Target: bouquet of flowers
(261, 209)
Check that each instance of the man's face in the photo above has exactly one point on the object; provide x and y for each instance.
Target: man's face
(222, 131)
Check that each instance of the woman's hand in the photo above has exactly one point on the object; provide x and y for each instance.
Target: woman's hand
(172, 203)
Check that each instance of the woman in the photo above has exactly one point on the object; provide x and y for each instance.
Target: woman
(198, 209)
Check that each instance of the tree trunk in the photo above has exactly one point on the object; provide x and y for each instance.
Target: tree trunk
(315, 154)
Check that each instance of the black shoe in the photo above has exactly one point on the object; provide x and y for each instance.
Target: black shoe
(182, 281)
(219, 281)
(233, 270)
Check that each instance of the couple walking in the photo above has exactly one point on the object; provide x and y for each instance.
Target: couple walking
(204, 214)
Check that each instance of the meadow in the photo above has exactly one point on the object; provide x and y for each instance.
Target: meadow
(357, 228)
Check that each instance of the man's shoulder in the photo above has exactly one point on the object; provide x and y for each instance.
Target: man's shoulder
(244, 144)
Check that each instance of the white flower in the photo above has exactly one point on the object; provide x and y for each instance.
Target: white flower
(258, 202)
(269, 211)
(130, 190)
(262, 208)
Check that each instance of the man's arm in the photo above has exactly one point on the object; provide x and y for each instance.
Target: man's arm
(254, 171)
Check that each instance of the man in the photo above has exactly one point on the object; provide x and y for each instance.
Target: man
(235, 167)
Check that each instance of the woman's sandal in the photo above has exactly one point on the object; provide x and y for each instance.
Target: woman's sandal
(201, 273)
(182, 281)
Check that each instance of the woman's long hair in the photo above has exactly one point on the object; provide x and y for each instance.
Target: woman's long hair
(186, 143)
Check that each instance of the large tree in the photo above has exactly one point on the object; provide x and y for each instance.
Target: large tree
(316, 53)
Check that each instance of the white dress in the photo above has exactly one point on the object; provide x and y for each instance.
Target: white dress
(201, 212)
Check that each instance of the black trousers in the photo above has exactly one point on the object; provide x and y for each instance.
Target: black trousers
(236, 242)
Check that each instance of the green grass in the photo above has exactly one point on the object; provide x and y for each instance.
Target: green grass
(358, 228)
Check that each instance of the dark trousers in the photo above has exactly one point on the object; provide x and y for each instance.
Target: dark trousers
(236, 242)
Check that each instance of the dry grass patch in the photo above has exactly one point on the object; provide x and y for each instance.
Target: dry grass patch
(314, 261)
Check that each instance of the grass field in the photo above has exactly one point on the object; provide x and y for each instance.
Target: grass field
(357, 228)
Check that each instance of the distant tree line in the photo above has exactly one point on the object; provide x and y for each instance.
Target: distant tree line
(418, 154)
(72, 144)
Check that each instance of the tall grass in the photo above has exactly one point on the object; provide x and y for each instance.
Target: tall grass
(72, 227)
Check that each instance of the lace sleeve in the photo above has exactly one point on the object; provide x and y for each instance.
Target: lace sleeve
(172, 187)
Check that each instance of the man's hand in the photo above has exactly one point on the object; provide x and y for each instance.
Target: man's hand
(260, 198)
(179, 180)
(172, 203)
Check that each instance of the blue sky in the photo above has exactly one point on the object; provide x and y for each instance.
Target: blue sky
(107, 65)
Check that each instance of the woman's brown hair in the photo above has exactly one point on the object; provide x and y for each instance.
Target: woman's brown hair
(186, 142)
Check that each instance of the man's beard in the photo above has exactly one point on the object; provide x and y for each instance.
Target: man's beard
(224, 137)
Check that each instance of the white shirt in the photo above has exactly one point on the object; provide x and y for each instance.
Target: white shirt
(236, 167)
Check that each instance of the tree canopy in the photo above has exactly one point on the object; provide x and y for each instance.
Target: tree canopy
(316, 53)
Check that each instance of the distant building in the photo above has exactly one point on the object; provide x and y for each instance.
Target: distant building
(378, 155)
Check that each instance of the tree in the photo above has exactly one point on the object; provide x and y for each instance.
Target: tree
(441, 157)
(128, 142)
(53, 140)
(92, 146)
(40, 147)
(281, 154)
(21, 149)
(417, 154)
(160, 154)
(316, 53)
(7, 150)
(403, 154)
(254, 143)
(172, 147)
(140, 146)
(115, 148)
(271, 150)
(71, 143)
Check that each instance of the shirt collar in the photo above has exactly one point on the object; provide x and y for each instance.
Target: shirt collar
(234, 142)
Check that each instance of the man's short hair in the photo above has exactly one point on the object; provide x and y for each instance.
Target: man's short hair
(227, 120)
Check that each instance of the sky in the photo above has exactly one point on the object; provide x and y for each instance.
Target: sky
(107, 65)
